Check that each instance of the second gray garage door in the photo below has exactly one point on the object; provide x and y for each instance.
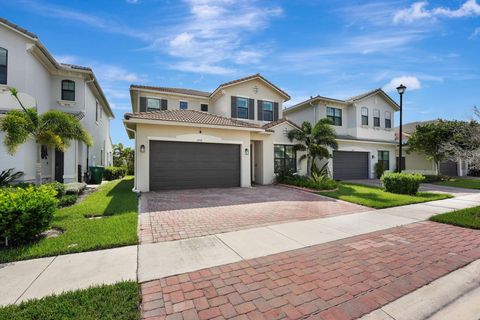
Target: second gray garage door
(448, 168)
(350, 165)
(184, 165)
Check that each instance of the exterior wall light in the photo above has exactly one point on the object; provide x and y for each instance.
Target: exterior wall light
(247, 152)
(142, 148)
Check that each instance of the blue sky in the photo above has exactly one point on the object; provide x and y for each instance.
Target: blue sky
(332, 48)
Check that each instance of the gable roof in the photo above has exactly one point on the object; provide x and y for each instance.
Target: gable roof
(251, 77)
(409, 128)
(350, 100)
(191, 116)
(18, 28)
(280, 121)
(189, 92)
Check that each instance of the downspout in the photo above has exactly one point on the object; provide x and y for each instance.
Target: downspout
(134, 161)
(85, 112)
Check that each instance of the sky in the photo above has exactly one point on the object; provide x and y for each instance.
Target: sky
(334, 48)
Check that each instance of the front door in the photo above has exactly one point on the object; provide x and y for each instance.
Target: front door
(59, 166)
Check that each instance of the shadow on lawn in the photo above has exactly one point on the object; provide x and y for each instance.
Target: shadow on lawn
(121, 199)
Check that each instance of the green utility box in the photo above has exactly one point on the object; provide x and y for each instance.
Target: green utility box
(96, 174)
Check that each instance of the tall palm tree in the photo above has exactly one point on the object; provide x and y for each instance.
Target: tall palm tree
(315, 141)
(53, 128)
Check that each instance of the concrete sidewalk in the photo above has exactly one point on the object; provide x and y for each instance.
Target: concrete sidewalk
(41, 277)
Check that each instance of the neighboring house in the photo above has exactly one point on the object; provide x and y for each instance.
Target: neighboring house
(419, 163)
(44, 83)
(364, 127)
(230, 137)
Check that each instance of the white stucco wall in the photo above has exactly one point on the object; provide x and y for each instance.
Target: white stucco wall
(371, 132)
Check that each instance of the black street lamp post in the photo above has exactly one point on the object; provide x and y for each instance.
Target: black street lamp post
(401, 89)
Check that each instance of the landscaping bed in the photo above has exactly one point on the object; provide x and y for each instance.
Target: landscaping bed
(376, 197)
(468, 218)
(114, 201)
(117, 302)
(460, 183)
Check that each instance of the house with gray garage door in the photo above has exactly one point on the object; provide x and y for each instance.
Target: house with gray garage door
(234, 136)
(364, 127)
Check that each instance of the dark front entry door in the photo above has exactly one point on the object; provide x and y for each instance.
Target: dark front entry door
(59, 166)
(184, 165)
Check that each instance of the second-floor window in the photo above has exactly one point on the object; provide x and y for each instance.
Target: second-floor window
(3, 65)
(68, 90)
(204, 107)
(183, 105)
(242, 108)
(388, 119)
(364, 116)
(153, 104)
(376, 118)
(335, 115)
(267, 111)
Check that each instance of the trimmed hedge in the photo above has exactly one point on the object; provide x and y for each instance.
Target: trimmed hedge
(67, 200)
(26, 212)
(75, 188)
(402, 183)
(58, 187)
(113, 173)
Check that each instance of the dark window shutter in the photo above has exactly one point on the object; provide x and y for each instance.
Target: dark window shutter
(164, 104)
(275, 111)
(251, 109)
(143, 104)
(234, 107)
(260, 110)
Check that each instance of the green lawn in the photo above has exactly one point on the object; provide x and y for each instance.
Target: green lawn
(117, 302)
(114, 201)
(460, 183)
(375, 197)
(468, 218)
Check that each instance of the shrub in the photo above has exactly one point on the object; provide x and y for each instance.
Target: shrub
(75, 188)
(58, 187)
(379, 169)
(434, 178)
(284, 174)
(8, 176)
(25, 213)
(402, 183)
(313, 182)
(112, 173)
(67, 200)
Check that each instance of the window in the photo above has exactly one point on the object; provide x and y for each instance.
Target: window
(364, 116)
(384, 158)
(388, 119)
(204, 107)
(403, 163)
(267, 111)
(68, 90)
(3, 65)
(96, 111)
(335, 115)
(242, 108)
(285, 158)
(183, 105)
(153, 104)
(376, 118)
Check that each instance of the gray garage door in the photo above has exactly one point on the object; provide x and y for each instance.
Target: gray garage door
(183, 165)
(350, 165)
(448, 168)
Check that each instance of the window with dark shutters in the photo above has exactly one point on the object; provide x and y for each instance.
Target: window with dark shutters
(268, 111)
(260, 110)
(164, 104)
(251, 109)
(143, 104)
(233, 107)
(275, 111)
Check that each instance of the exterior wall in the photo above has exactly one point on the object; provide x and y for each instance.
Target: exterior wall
(418, 163)
(174, 100)
(371, 132)
(372, 149)
(308, 113)
(147, 132)
(222, 104)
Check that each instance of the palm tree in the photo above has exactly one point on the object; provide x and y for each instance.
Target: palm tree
(315, 141)
(53, 128)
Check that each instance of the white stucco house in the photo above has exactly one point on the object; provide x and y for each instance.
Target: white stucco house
(46, 84)
(231, 137)
(364, 127)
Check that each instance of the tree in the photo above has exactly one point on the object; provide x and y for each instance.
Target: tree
(431, 137)
(123, 157)
(315, 141)
(53, 128)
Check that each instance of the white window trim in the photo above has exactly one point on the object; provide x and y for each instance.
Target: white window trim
(248, 109)
(273, 107)
(151, 97)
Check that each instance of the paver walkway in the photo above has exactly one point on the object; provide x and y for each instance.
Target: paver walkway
(343, 279)
(182, 214)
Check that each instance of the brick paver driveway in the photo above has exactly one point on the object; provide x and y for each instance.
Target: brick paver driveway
(181, 214)
(343, 279)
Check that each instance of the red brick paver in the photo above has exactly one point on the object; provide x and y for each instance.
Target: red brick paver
(343, 279)
(174, 215)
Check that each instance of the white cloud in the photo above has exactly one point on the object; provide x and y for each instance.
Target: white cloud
(411, 82)
(475, 33)
(132, 1)
(201, 68)
(68, 59)
(418, 11)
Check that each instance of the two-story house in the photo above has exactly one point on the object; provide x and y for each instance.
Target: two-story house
(364, 127)
(230, 137)
(46, 84)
